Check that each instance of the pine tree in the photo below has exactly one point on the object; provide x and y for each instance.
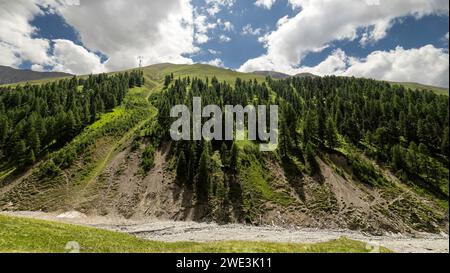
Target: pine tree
(331, 135)
(397, 158)
(310, 127)
(311, 159)
(92, 109)
(352, 128)
(34, 141)
(423, 158)
(3, 130)
(321, 123)
(21, 153)
(148, 158)
(192, 166)
(234, 157)
(221, 190)
(30, 159)
(203, 177)
(445, 142)
(69, 126)
(139, 81)
(285, 140)
(167, 80)
(224, 153)
(423, 131)
(411, 157)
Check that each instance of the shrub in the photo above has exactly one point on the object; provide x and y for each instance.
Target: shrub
(148, 158)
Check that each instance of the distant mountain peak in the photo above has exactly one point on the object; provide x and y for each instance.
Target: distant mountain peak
(306, 75)
(273, 74)
(10, 75)
(280, 75)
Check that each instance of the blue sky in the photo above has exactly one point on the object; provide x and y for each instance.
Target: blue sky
(404, 38)
(243, 47)
(409, 32)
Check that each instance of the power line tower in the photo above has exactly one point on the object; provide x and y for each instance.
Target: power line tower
(140, 58)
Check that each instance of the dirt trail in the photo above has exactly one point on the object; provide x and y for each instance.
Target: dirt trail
(170, 231)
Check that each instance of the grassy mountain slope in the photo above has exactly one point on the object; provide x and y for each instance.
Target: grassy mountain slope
(202, 70)
(306, 75)
(273, 74)
(107, 178)
(9, 75)
(158, 71)
(418, 86)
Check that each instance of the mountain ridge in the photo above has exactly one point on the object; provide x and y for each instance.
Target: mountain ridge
(9, 75)
(273, 74)
(411, 85)
(210, 71)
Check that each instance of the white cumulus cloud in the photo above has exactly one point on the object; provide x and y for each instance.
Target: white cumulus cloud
(215, 62)
(427, 65)
(157, 30)
(224, 39)
(17, 42)
(228, 26)
(249, 30)
(75, 59)
(215, 6)
(320, 22)
(265, 3)
(202, 27)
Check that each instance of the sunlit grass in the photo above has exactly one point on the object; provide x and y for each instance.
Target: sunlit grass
(21, 235)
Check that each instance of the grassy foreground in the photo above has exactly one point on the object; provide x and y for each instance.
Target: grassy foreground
(21, 235)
